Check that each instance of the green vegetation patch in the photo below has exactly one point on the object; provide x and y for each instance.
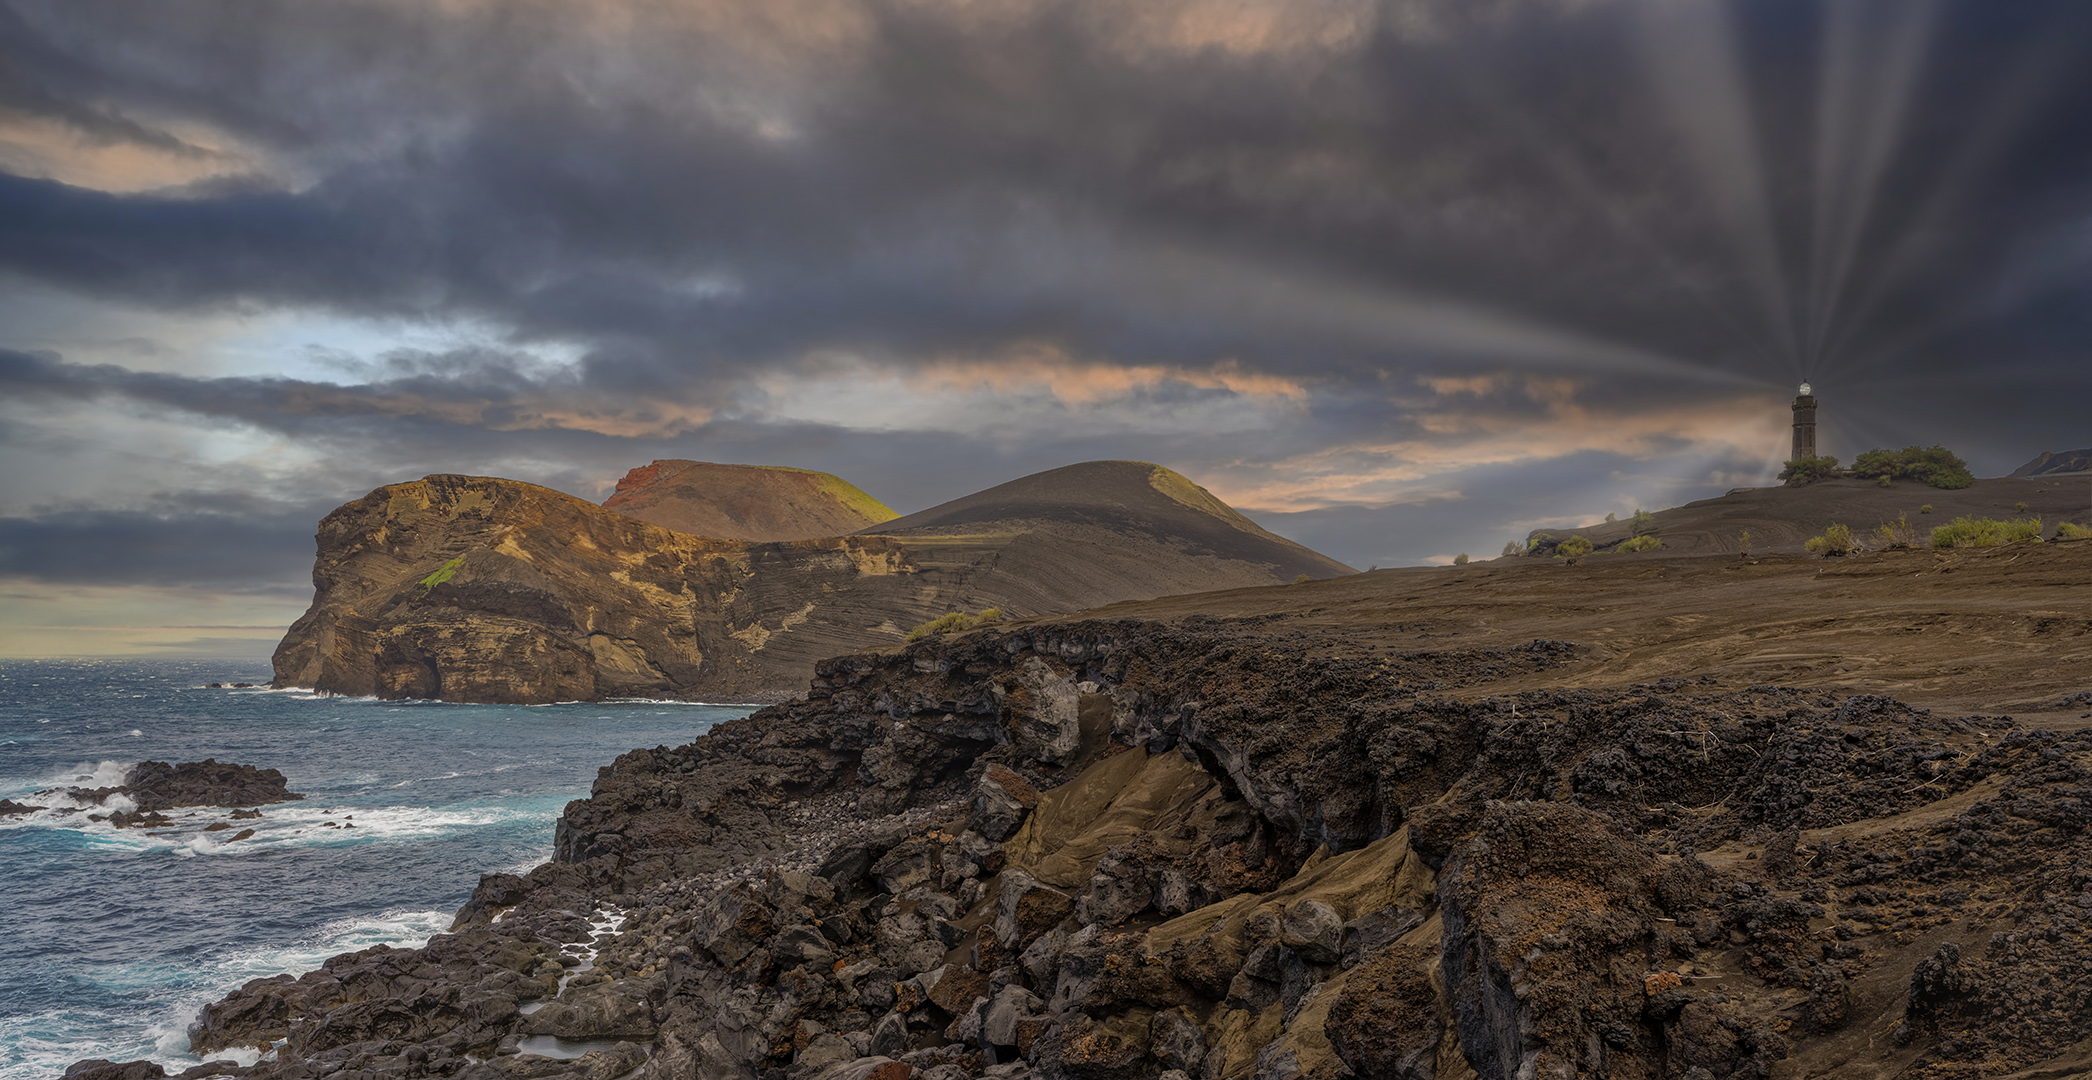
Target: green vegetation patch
(1809, 469)
(953, 622)
(2071, 530)
(853, 497)
(443, 573)
(1575, 547)
(1897, 534)
(1644, 542)
(1970, 531)
(1836, 540)
(1934, 465)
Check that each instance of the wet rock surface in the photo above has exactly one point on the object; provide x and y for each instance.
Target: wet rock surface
(1224, 849)
(153, 786)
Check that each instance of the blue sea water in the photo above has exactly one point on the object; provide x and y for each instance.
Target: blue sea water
(111, 940)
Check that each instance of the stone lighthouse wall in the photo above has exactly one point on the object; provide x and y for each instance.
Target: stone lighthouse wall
(1804, 427)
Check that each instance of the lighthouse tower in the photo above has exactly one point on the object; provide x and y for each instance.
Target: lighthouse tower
(1804, 425)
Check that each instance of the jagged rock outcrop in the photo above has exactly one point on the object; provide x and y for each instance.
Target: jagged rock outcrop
(745, 502)
(478, 589)
(1264, 855)
(155, 785)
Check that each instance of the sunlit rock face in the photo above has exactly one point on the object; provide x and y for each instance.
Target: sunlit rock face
(745, 502)
(478, 589)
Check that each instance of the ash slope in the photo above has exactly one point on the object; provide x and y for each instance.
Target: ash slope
(1273, 846)
(480, 589)
(745, 502)
(1782, 519)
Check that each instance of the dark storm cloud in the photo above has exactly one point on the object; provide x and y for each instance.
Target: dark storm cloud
(269, 552)
(943, 182)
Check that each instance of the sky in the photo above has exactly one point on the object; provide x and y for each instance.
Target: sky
(1399, 279)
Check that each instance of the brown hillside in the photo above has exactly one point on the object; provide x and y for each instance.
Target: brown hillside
(479, 589)
(745, 502)
(1781, 519)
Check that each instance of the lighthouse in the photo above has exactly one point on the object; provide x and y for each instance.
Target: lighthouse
(1804, 425)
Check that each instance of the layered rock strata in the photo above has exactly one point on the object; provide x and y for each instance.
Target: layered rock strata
(478, 589)
(1224, 849)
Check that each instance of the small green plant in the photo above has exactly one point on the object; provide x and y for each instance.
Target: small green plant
(2019, 508)
(1644, 521)
(1510, 548)
(1302, 580)
(1460, 559)
(1808, 470)
(443, 573)
(989, 616)
(1575, 547)
(1934, 465)
(1925, 509)
(1643, 542)
(1896, 535)
(950, 623)
(2071, 530)
(1970, 531)
(1835, 541)
(1745, 541)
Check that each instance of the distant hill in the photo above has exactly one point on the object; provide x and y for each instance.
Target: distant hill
(1781, 519)
(2050, 464)
(745, 502)
(470, 588)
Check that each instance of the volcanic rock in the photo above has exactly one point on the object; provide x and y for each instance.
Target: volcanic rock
(476, 589)
(745, 502)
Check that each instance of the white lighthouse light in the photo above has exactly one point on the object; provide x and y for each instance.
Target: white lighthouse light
(1805, 389)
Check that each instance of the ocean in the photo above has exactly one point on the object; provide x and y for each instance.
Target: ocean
(111, 939)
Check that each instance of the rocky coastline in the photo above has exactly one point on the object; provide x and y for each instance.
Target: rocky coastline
(151, 787)
(1223, 848)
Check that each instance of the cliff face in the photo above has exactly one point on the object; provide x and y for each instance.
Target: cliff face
(745, 502)
(479, 589)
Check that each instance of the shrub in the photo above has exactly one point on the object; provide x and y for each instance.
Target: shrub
(988, 616)
(1884, 481)
(1575, 547)
(443, 573)
(1809, 469)
(1900, 533)
(1745, 540)
(1510, 547)
(1302, 579)
(1641, 543)
(1460, 559)
(2071, 530)
(2019, 508)
(950, 623)
(1612, 518)
(1934, 465)
(1644, 521)
(1836, 540)
(1925, 509)
(1970, 531)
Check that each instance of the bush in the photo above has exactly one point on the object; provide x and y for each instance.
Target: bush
(1934, 465)
(1302, 579)
(1641, 543)
(1897, 534)
(1460, 559)
(1809, 469)
(1970, 531)
(1510, 548)
(2071, 530)
(943, 624)
(988, 616)
(1612, 518)
(1925, 509)
(2019, 508)
(1644, 521)
(1745, 540)
(1836, 540)
(1574, 547)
